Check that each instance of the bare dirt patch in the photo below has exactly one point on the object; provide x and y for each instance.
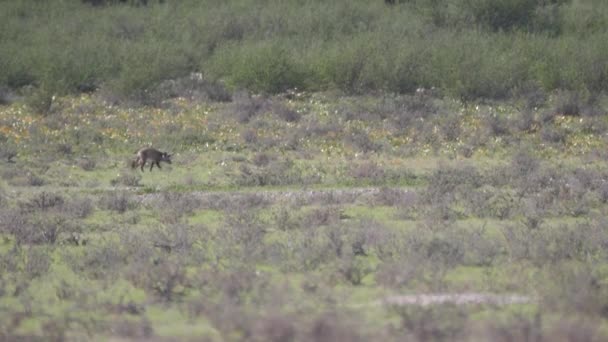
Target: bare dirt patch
(369, 195)
(472, 298)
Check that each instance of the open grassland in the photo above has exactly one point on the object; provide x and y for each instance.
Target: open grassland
(306, 217)
(342, 170)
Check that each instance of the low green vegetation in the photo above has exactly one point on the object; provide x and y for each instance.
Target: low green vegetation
(469, 49)
(342, 170)
(305, 217)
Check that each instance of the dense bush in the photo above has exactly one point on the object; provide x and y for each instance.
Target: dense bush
(474, 48)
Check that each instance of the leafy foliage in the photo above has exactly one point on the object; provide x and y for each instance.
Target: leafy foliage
(473, 49)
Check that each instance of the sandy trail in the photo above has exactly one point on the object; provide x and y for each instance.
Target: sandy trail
(365, 195)
(471, 298)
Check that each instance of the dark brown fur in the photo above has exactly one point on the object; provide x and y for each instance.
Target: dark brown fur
(155, 156)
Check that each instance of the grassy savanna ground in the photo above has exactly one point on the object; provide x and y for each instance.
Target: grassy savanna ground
(425, 148)
(296, 216)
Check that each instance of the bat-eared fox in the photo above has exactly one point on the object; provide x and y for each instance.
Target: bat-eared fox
(155, 156)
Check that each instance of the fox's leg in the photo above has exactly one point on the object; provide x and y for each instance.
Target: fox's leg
(151, 165)
(142, 162)
(158, 164)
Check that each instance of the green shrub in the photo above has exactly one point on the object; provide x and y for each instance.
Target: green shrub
(432, 322)
(469, 49)
(265, 66)
(40, 101)
(145, 66)
(502, 14)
